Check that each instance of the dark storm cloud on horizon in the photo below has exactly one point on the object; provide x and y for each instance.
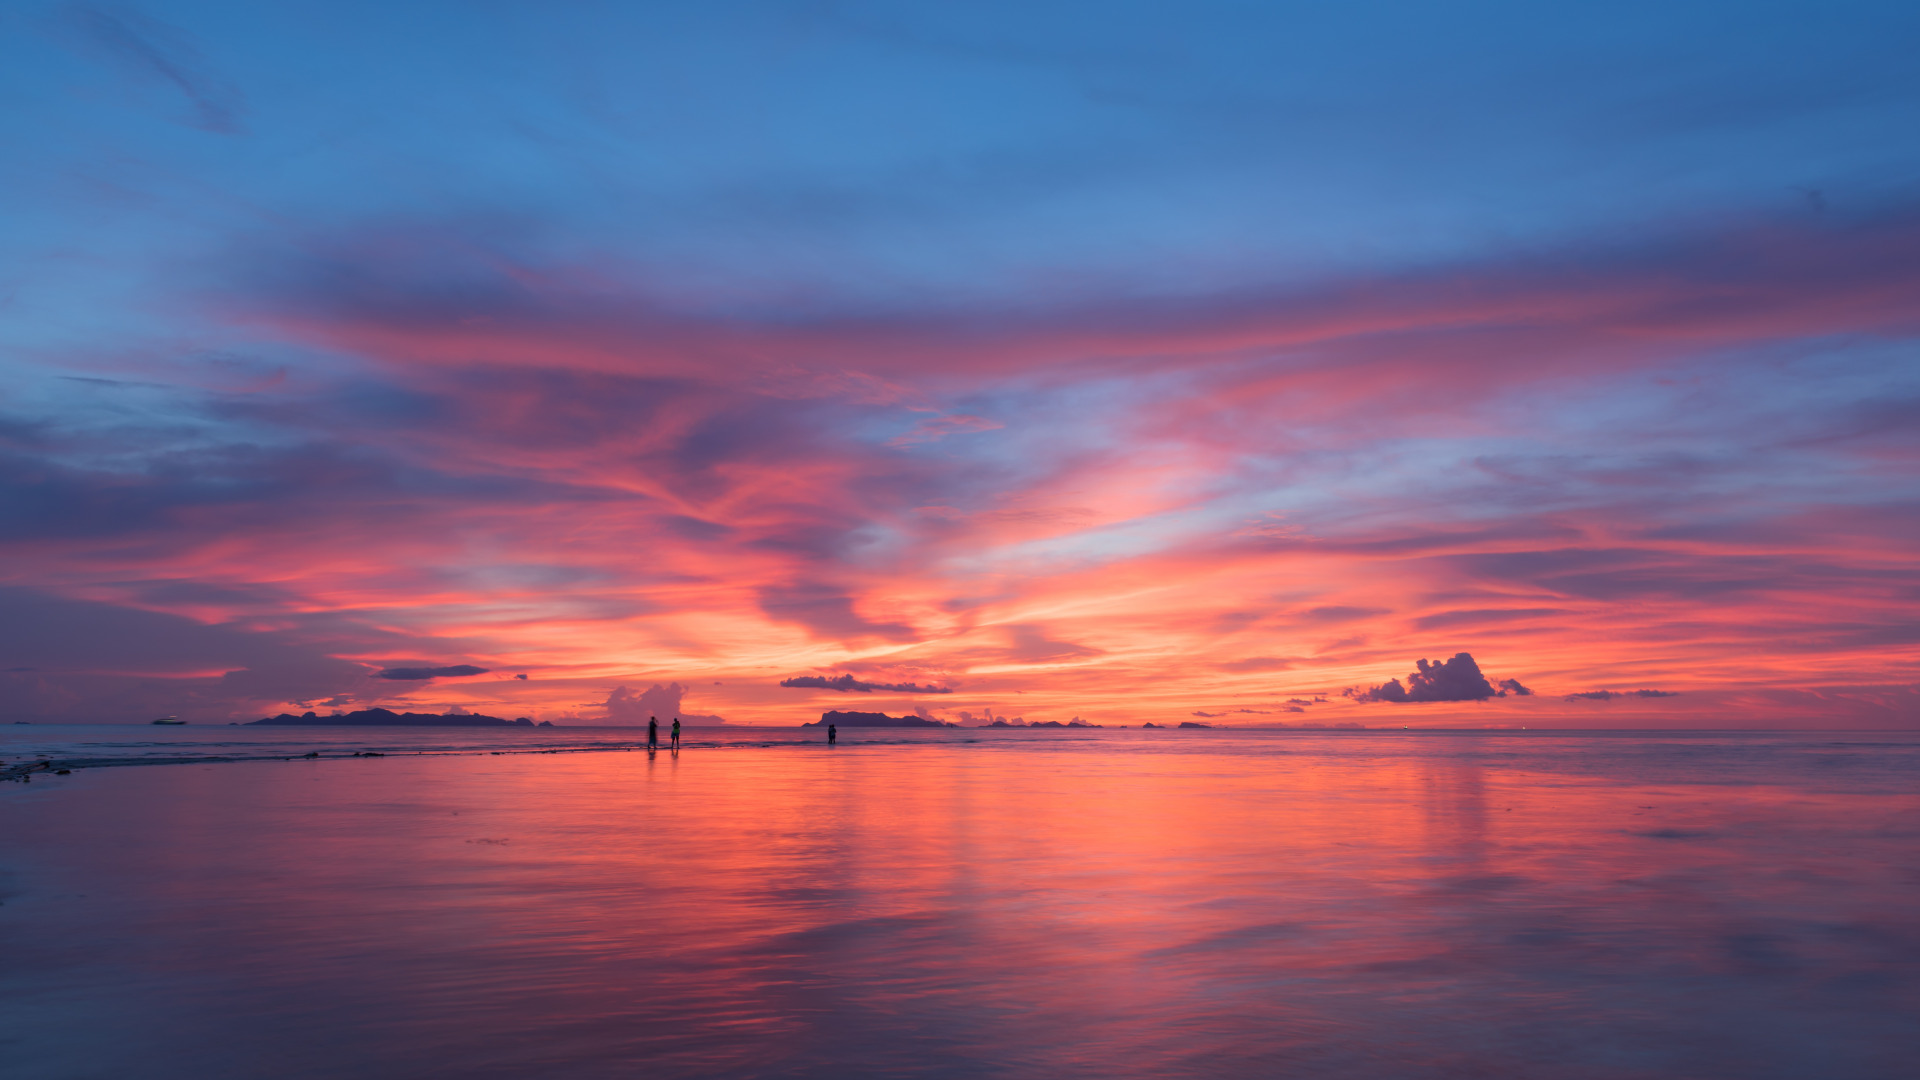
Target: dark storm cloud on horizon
(1609, 695)
(421, 674)
(845, 683)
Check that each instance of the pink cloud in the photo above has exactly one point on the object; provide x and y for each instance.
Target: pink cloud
(1112, 509)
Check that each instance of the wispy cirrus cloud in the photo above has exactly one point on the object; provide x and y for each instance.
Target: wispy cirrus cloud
(155, 51)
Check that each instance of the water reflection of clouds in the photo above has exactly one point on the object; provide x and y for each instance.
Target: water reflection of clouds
(1313, 905)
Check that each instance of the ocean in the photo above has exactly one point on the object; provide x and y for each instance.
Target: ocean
(960, 903)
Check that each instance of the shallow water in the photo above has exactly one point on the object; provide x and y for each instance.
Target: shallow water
(962, 903)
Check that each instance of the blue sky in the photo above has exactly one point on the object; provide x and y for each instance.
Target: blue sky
(904, 154)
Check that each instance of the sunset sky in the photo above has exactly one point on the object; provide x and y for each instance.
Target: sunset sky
(1119, 361)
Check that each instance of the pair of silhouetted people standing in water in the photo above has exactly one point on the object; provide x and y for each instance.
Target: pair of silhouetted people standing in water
(833, 734)
(653, 733)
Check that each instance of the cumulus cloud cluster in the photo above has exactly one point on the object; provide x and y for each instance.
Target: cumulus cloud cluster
(1458, 679)
(626, 706)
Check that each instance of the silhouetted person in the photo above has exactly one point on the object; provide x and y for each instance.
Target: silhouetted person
(676, 733)
(653, 733)
(833, 734)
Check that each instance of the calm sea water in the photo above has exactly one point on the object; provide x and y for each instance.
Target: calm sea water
(961, 904)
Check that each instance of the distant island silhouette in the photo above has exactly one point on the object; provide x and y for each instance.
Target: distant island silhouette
(389, 718)
(873, 719)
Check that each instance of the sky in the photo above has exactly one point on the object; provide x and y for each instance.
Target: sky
(1126, 362)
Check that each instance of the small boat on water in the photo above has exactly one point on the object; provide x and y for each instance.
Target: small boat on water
(169, 720)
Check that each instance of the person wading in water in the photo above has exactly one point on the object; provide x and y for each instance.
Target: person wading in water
(833, 734)
(676, 733)
(653, 733)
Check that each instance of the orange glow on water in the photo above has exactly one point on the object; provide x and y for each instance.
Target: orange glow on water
(1119, 902)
